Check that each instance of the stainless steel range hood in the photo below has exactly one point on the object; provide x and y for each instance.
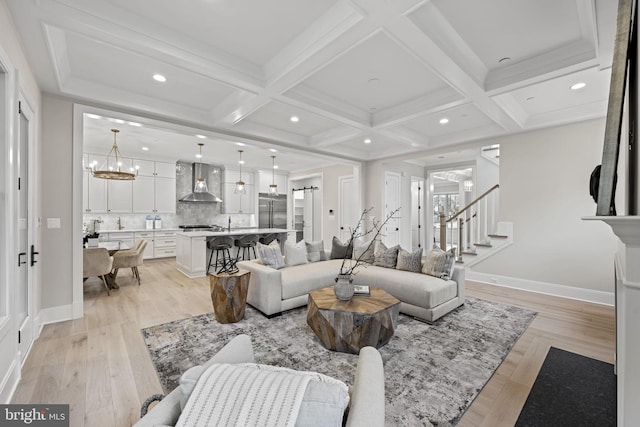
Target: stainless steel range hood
(200, 193)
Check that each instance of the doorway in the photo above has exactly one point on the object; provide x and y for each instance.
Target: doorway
(27, 254)
(307, 208)
(446, 196)
(392, 202)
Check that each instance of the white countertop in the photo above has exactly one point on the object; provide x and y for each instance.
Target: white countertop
(236, 232)
(138, 230)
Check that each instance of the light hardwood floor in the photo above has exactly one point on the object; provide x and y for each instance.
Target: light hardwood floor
(100, 366)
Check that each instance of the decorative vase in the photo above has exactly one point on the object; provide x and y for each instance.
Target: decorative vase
(343, 287)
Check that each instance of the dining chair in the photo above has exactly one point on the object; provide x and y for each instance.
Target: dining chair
(130, 258)
(96, 262)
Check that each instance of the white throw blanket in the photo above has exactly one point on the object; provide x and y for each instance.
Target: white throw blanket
(245, 395)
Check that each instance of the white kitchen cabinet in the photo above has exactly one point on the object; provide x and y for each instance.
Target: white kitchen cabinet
(94, 198)
(238, 203)
(165, 170)
(165, 194)
(119, 196)
(144, 167)
(149, 237)
(164, 244)
(143, 199)
(266, 179)
(154, 195)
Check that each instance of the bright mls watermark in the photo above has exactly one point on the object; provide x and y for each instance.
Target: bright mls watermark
(34, 415)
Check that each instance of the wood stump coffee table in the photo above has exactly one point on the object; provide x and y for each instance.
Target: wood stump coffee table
(347, 326)
(229, 295)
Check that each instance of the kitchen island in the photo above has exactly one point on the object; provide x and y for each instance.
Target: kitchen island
(192, 255)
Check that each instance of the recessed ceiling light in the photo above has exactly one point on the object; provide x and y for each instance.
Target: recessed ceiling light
(240, 144)
(94, 116)
(273, 150)
(145, 148)
(201, 136)
(367, 141)
(505, 59)
(295, 119)
(275, 166)
(579, 85)
(444, 121)
(159, 78)
(135, 124)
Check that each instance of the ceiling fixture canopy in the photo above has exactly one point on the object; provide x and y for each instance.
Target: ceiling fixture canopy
(240, 185)
(273, 188)
(110, 170)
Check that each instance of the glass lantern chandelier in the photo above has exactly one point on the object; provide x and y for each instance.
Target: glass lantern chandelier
(240, 185)
(273, 188)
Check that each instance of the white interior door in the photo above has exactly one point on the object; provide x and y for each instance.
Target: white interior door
(307, 216)
(26, 250)
(346, 209)
(417, 213)
(392, 198)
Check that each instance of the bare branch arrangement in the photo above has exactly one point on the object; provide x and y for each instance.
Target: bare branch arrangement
(348, 268)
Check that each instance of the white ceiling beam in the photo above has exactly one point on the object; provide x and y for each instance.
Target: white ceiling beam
(335, 136)
(576, 56)
(440, 100)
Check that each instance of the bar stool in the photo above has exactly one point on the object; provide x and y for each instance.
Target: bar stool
(219, 245)
(246, 244)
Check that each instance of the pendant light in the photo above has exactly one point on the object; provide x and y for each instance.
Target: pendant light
(273, 188)
(200, 185)
(240, 185)
(113, 172)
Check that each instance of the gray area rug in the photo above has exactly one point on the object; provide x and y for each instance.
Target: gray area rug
(433, 372)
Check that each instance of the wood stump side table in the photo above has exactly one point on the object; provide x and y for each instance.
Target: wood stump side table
(347, 326)
(229, 295)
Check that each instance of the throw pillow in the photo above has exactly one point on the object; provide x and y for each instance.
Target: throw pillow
(410, 261)
(295, 254)
(364, 249)
(340, 250)
(270, 255)
(315, 251)
(385, 257)
(440, 263)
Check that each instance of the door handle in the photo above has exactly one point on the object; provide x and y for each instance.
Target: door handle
(341, 228)
(20, 255)
(397, 229)
(33, 255)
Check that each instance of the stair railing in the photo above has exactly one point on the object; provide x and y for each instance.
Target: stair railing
(475, 223)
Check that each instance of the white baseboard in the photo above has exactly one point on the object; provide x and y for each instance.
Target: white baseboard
(589, 295)
(10, 383)
(56, 314)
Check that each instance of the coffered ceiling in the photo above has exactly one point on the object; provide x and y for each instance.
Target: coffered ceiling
(351, 70)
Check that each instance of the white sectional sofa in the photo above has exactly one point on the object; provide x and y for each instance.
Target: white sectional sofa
(425, 297)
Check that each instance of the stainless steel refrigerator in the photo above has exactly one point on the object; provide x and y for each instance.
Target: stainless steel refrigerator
(272, 211)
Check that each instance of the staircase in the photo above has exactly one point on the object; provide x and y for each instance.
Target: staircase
(474, 231)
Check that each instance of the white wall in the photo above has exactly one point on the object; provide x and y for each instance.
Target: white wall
(57, 171)
(544, 192)
(487, 173)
